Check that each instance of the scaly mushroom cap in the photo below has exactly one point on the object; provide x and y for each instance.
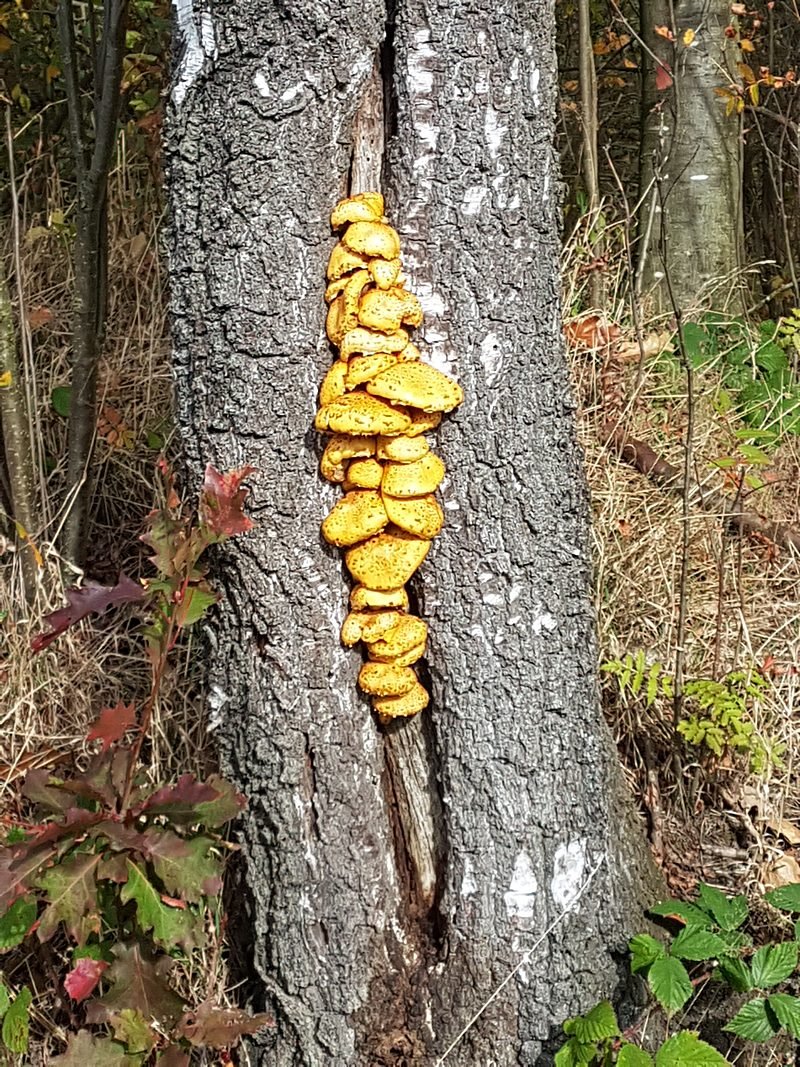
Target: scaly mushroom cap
(335, 288)
(409, 353)
(369, 625)
(422, 422)
(333, 384)
(402, 449)
(357, 516)
(363, 207)
(341, 448)
(418, 515)
(398, 640)
(351, 295)
(419, 385)
(361, 368)
(362, 598)
(334, 321)
(372, 239)
(367, 342)
(409, 703)
(413, 654)
(386, 310)
(386, 680)
(419, 478)
(358, 413)
(363, 474)
(387, 560)
(385, 272)
(343, 260)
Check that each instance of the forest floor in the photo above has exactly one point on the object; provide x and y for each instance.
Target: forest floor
(724, 809)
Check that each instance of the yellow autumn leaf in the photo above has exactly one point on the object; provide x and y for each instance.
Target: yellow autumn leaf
(52, 72)
(747, 45)
(6, 44)
(5, 380)
(688, 38)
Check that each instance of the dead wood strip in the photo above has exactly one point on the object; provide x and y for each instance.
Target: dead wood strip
(644, 459)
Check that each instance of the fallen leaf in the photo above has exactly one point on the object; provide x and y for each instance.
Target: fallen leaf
(39, 316)
(112, 724)
(688, 38)
(625, 527)
(784, 871)
(83, 978)
(786, 830)
(665, 32)
(220, 1027)
(663, 77)
(111, 427)
(591, 331)
(747, 45)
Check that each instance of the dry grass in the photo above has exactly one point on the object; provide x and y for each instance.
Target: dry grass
(712, 819)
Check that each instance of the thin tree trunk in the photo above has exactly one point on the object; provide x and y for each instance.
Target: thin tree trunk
(399, 879)
(691, 216)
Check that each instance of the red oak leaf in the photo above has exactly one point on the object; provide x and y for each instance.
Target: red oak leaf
(112, 724)
(83, 978)
(663, 77)
(90, 598)
(221, 502)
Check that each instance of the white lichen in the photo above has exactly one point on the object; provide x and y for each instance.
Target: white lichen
(569, 864)
(519, 897)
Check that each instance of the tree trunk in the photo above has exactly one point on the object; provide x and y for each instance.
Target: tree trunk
(400, 877)
(691, 202)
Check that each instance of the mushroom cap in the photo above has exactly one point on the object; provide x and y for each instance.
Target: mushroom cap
(402, 449)
(385, 310)
(363, 207)
(385, 272)
(361, 368)
(368, 625)
(335, 288)
(366, 342)
(419, 385)
(418, 515)
(387, 560)
(357, 516)
(407, 658)
(362, 598)
(343, 260)
(372, 239)
(399, 639)
(351, 295)
(419, 478)
(334, 321)
(359, 413)
(341, 448)
(364, 474)
(422, 421)
(386, 680)
(333, 384)
(394, 707)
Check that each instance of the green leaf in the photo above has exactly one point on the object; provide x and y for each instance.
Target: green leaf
(632, 1056)
(170, 926)
(645, 950)
(687, 1050)
(597, 1024)
(17, 921)
(737, 913)
(690, 914)
(736, 973)
(753, 454)
(735, 941)
(86, 1050)
(754, 1022)
(5, 999)
(133, 1030)
(771, 360)
(773, 964)
(16, 1022)
(787, 897)
(787, 1012)
(696, 944)
(575, 1054)
(187, 868)
(715, 903)
(195, 604)
(61, 399)
(71, 892)
(670, 984)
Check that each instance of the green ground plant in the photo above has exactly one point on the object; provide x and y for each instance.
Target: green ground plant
(706, 945)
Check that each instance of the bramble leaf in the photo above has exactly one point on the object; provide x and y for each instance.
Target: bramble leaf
(787, 1012)
(689, 914)
(91, 598)
(112, 724)
(17, 922)
(670, 984)
(222, 502)
(5, 999)
(644, 950)
(785, 897)
(597, 1024)
(717, 904)
(633, 1056)
(574, 1054)
(83, 978)
(16, 1022)
(773, 964)
(695, 944)
(736, 973)
(754, 1022)
(687, 1050)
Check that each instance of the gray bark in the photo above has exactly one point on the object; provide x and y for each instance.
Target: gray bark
(691, 186)
(399, 877)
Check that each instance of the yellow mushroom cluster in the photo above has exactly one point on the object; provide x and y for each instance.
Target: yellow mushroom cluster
(377, 402)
